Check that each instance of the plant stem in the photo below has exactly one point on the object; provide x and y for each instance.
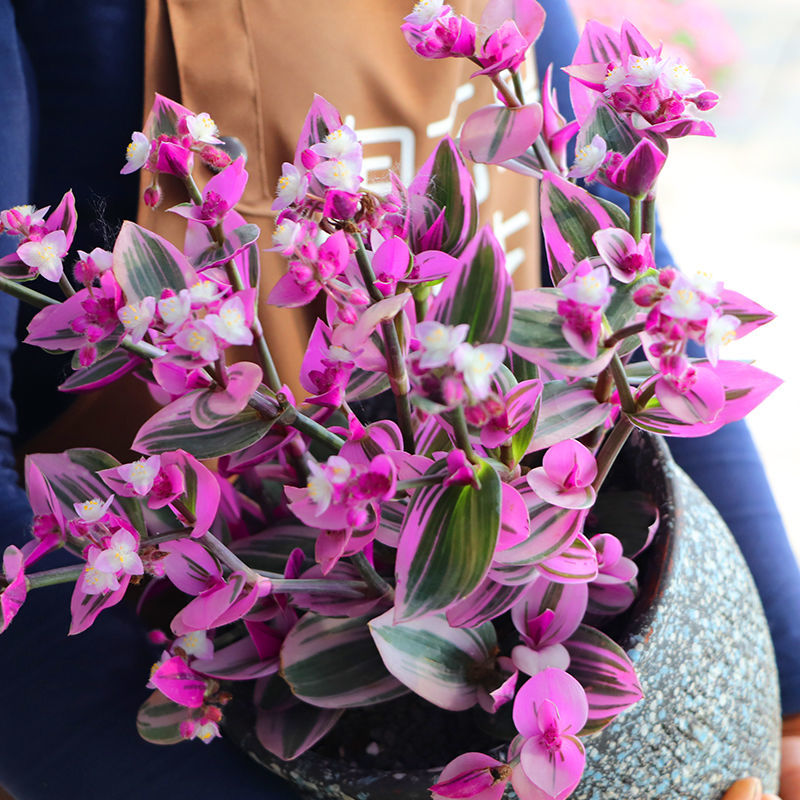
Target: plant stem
(227, 557)
(518, 90)
(621, 382)
(610, 449)
(462, 434)
(195, 195)
(371, 577)
(624, 333)
(511, 101)
(354, 589)
(649, 218)
(398, 376)
(636, 218)
(543, 151)
(418, 483)
(30, 296)
(51, 577)
(66, 286)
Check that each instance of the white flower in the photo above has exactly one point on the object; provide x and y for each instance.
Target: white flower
(136, 153)
(45, 255)
(202, 128)
(644, 71)
(678, 78)
(120, 556)
(589, 158)
(439, 342)
(231, 324)
(175, 310)
(477, 365)
(141, 474)
(425, 12)
(136, 317)
(720, 329)
(92, 510)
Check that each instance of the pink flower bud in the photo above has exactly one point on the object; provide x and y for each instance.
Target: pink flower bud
(359, 297)
(152, 195)
(646, 296)
(309, 158)
(215, 158)
(667, 276)
(706, 100)
(347, 314)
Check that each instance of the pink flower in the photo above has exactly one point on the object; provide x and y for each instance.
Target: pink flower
(472, 775)
(44, 255)
(549, 710)
(623, 255)
(565, 478)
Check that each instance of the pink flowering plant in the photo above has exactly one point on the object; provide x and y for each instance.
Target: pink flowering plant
(341, 561)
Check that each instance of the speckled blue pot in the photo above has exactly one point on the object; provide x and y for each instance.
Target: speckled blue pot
(703, 653)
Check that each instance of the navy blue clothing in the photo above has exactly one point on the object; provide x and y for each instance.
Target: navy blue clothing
(83, 743)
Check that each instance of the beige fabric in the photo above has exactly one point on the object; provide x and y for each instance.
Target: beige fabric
(254, 65)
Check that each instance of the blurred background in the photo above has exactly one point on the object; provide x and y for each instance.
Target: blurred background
(731, 205)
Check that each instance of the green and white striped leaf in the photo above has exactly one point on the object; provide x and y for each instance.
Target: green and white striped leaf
(172, 428)
(576, 564)
(286, 726)
(333, 663)
(103, 371)
(269, 550)
(478, 292)
(570, 216)
(145, 264)
(72, 476)
(606, 673)
(536, 336)
(436, 661)
(236, 242)
(569, 410)
(449, 536)
(159, 720)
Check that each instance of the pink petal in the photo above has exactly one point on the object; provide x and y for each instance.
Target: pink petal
(554, 772)
(562, 690)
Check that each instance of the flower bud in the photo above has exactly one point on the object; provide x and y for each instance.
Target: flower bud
(705, 101)
(152, 195)
(215, 158)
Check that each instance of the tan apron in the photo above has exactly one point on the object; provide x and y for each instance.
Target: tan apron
(254, 66)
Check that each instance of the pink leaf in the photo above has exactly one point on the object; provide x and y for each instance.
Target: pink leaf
(494, 134)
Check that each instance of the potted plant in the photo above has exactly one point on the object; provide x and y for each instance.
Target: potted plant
(459, 551)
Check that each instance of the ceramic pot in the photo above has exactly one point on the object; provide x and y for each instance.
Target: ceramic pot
(699, 639)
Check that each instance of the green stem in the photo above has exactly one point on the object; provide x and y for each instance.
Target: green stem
(354, 589)
(461, 433)
(543, 152)
(228, 558)
(623, 387)
(610, 449)
(649, 221)
(51, 577)
(511, 101)
(518, 90)
(398, 376)
(636, 218)
(371, 577)
(66, 286)
(195, 195)
(30, 296)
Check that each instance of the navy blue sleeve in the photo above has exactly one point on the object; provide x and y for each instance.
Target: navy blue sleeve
(725, 465)
(69, 703)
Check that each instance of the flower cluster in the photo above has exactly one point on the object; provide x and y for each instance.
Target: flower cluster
(457, 550)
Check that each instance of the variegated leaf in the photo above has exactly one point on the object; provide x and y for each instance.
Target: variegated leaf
(172, 428)
(494, 134)
(488, 601)
(606, 673)
(435, 660)
(536, 336)
(333, 663)
(570, 215)
(159, 720)
(576, 564)
(104, 371)
(236, 242)
(569, 410)
(449, 536)
(478, 293)
(286, 726)
(145, 264)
